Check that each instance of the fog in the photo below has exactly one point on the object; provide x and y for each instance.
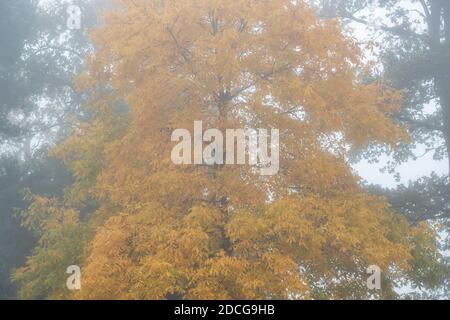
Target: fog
(95, 93)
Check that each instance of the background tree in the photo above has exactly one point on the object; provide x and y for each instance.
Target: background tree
(16, 25)
(142, 227)
(414, 53)
(414, 43)
(38, 59)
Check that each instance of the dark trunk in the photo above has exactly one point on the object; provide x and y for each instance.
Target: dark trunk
(440, 16)
(445, 77)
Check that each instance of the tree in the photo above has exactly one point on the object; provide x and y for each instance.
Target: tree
(414, 44)
(16, 24)
(414, 54)
(142, 227)
(418, 65)
(38, 59)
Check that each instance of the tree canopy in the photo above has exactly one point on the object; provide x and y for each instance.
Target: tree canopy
(142, 227)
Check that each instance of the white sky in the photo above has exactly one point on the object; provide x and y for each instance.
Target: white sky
(411, 170)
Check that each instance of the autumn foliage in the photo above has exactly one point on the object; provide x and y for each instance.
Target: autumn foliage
(141, 227)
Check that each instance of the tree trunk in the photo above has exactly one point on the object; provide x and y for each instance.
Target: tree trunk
(440, 13)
